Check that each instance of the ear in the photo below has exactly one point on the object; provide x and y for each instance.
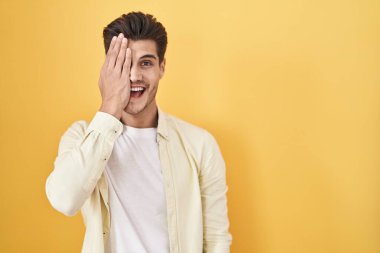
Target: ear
(162, 68)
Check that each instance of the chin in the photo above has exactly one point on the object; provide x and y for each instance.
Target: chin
(140, 106)
(135, 109)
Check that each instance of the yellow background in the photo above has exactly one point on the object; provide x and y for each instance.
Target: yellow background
(290, 89)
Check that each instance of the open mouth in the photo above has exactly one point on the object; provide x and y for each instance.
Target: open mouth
(137, 92)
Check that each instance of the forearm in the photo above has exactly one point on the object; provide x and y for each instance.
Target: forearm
(216, 236)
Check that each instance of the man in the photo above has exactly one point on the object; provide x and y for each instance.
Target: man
(145, 181)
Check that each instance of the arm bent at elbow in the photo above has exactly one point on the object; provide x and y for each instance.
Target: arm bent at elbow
(82, 156)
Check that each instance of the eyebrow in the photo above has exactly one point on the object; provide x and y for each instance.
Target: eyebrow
(149, 56)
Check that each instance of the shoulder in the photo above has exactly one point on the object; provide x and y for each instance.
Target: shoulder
(184, 127)
(200, 143)
(174, 121)
(191, 132)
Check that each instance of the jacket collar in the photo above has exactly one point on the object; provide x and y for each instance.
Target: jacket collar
(162, 128)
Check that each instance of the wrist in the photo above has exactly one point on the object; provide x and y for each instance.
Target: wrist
(111, 109)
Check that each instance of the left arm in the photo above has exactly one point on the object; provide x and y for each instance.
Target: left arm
(212, 179)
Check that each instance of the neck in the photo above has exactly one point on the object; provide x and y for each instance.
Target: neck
(145, 119)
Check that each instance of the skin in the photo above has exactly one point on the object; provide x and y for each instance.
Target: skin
(129, 64)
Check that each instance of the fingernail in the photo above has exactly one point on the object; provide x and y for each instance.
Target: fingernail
(121, 35)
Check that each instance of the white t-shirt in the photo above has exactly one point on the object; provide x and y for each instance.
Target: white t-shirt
(136, 194)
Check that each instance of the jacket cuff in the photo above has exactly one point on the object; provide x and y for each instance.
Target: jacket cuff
(107, 125)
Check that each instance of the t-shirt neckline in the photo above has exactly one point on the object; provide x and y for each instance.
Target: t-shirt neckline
(148, 132)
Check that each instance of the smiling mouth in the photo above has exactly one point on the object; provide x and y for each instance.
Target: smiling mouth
(137, 92)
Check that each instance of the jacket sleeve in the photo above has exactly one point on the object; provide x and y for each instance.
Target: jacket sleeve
(216, 236)
(82, 155)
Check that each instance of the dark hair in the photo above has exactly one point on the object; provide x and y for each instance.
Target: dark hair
(137, 26)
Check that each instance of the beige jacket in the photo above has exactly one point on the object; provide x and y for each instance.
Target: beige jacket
(194, 177)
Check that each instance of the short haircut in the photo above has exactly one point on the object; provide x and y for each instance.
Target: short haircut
(137, 26)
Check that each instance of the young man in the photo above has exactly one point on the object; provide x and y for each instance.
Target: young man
(145, 181)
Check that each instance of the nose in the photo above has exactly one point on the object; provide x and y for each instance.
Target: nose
(135, 74)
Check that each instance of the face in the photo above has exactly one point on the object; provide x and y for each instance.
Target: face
(145, 75)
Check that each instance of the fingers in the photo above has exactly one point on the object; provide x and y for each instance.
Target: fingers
(127, 64)
(112, 44)
(121, 55)
(114, 52)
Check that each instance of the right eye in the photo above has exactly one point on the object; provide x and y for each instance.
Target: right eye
(146, 63)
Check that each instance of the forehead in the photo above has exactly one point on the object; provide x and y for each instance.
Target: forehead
(142, 47)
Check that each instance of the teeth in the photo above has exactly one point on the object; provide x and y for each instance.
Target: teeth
(137, 89)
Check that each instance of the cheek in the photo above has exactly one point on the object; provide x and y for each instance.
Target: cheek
(152, 78)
